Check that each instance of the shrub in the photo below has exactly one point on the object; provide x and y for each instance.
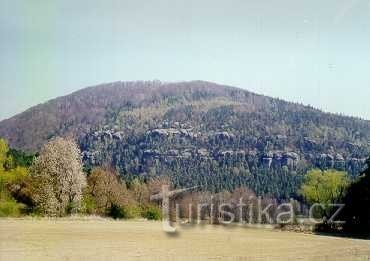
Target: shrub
(11, 208)
(152, 213)
(126, 212)
(117, 212)
(132, 211)
(89, 205)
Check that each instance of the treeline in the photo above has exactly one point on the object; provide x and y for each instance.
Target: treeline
(54, 183)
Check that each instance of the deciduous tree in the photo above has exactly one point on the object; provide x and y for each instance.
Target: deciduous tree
(324, 187)
(58, 177)
(107, 190)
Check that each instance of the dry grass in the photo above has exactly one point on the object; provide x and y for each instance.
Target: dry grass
(99, 239)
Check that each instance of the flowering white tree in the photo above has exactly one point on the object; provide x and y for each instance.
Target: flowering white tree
(59, 179)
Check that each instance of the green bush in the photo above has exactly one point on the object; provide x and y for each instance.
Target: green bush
(89, 205)
(132, 211)
(152, 213)
(11, 208)
(126, 212)
(116, 212)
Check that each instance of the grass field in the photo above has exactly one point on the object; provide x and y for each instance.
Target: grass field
(142, 240)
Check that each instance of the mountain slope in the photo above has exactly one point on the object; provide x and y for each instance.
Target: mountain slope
(196, 129)
(89, 107)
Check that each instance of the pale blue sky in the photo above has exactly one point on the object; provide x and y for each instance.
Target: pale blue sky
(315, 52)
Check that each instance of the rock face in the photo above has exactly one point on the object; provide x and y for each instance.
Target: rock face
(172, 132)
(178, 143)
(267, 159)
(290, 159)
(223, 135)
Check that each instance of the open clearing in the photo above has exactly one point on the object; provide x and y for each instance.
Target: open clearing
(142, 240)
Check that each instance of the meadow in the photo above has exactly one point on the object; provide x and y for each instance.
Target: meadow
(105, 239)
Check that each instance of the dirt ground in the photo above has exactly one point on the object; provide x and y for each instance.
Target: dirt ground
(143, 240)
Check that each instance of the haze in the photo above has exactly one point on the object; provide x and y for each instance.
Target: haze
(313, 52)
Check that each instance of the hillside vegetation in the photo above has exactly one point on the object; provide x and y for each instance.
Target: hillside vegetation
(198, 133)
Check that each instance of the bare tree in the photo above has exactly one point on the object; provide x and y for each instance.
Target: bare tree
(140, 192)
(58, 177)
(107, 189)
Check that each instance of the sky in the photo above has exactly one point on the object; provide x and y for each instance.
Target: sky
(313, 52)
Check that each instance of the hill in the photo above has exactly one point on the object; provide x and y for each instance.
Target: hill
(199, 133)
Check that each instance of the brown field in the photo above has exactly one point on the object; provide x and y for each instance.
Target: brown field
(64, 239)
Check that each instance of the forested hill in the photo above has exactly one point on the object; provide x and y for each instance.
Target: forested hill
(197, 132)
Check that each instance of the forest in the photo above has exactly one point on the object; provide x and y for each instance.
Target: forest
(55, 183)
